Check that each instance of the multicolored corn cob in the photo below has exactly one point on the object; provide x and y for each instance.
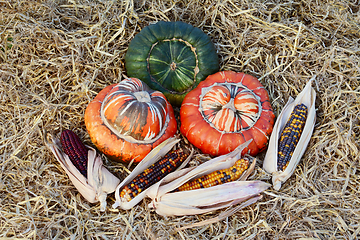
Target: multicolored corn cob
(218, 177)
(75, 149)
(291, 135)
(153, 174)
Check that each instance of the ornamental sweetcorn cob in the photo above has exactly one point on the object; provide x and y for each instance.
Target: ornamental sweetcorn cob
(153, 174)
(75, 149)
(217, 177)
(291, 135)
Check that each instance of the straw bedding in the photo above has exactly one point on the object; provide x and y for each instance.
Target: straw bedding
(55, 56)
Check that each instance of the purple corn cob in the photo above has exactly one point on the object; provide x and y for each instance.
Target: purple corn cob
(291, 135)
(75, 149)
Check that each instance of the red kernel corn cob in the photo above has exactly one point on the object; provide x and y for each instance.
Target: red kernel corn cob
(153, 174)
(218, 177)
(291, 135)
(75, 149)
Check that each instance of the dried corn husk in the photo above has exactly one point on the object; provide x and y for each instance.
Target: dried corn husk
(155, 155)
(307, 97)
(204, 200)
(99, 181)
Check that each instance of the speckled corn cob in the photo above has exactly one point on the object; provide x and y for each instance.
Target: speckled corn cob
(291, 135)
(153, 174)
(75, 149)
(218, 177)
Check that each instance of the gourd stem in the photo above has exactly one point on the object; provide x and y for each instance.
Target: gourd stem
(173, 66)
(230, 105)
(142, 96)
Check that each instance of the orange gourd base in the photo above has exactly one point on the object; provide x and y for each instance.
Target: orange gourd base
(127, 120)
(226, 110)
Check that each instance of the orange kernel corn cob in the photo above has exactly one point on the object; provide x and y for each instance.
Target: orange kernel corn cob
(217, 177)
(153, 174)
(290, 135)
(75, 149)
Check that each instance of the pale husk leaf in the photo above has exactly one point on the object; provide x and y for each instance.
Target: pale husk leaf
(307, 97)
(99, 182)
(224, 214)
(207, 199)
(199, 201)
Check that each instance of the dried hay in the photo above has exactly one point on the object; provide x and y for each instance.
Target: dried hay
(55, 56)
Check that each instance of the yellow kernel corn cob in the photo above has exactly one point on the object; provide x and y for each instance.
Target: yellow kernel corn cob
(291, 135)
(153, 174)
(75, 149)
(218, 177)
